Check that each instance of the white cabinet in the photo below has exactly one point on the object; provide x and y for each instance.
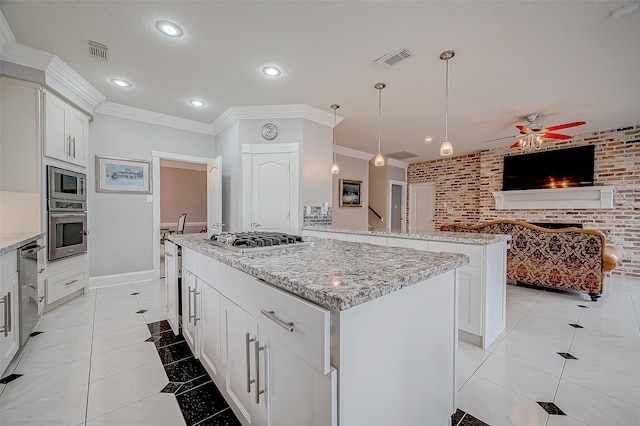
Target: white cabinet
(66, 131)
(9, 309)
(190, 308)
(172, 266)
(210, 330)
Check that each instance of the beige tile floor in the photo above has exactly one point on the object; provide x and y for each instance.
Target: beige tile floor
(92, 366)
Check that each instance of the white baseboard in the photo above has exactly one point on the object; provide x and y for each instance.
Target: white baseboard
(118, 279)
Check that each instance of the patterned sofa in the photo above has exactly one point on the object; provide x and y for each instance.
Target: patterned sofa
(568, 258)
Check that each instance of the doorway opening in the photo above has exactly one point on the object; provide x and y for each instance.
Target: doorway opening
(397, 205)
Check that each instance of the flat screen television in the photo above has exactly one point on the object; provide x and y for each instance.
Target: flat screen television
(560, 168)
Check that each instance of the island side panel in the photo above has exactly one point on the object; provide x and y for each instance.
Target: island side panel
(495, 293)
(396, 361)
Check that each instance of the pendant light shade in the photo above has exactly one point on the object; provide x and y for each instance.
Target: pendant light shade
(446, 149)
(379, 159)
(334, 167)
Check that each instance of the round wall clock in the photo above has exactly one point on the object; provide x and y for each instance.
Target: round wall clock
(269, 131)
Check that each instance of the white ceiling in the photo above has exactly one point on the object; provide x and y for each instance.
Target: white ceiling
(569, 60)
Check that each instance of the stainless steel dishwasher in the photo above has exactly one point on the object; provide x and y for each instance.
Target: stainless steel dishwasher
(31, 264)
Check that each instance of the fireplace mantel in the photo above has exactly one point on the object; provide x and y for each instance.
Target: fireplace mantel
(584, 197)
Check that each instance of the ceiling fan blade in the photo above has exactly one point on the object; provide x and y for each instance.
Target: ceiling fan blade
(556, 136)
(499, 139)
(516, 144)
(524, 129)
(567, 125)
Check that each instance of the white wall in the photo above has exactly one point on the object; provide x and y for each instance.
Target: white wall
(120, 225)
(228, 146)
(316, 158)
(378, 188)
(351, 217)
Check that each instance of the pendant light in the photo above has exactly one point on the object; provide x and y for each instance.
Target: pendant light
(334, 167)
(379, 159)
(446, 149)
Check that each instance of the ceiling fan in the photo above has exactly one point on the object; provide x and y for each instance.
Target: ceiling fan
(535, 133)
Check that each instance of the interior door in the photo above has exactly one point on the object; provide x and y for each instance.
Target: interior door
(422, 206)
(214, 196)
(270, 207)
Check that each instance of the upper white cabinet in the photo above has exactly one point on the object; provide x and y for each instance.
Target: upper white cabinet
(66, 131)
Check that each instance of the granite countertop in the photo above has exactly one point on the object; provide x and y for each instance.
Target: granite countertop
(445, 237)
(10, 242)
(330, 273)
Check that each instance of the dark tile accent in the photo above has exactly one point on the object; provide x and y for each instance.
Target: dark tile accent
(456, 417)
(35, 333)
(172, 353)
(158, 327)
(10, 378)
(622, 129)
(224, 418)
(199, 381)
(168, 338)
(171, 387)
(135, 293)
(185, 370)
(566, 355)
(153, 339)
(551, 408)
(469, 420)
(201, 403)
(141, 311)
(582, 306)
(576, 326)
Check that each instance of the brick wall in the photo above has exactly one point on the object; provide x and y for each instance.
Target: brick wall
(465, 184)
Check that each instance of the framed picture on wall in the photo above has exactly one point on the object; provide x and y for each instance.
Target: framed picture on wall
(350, 195)
(122, 175)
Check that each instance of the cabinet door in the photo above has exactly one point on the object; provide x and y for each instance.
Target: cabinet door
(469, 281)
(56, 139)
(210, 330)
(239, 332)
(78, 125)
(297, 393)
(190, 309)
(9, 321)
(171, 284)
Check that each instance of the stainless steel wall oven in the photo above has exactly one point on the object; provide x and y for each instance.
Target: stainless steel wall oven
(67, 213)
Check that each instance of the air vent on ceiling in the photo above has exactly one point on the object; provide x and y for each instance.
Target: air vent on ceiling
(98, 50)
(392, 58)
(401, 155)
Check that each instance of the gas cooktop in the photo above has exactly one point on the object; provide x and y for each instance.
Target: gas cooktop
(248, 242)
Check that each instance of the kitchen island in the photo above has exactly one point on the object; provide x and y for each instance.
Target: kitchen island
(481, 283)
(327, 333)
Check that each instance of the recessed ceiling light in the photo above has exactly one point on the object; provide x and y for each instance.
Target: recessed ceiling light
(271, 71)
(197, 103)
(120, 82)
(169, 28)
(428, 139)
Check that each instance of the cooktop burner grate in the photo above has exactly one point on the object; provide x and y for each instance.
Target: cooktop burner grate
(250, 241)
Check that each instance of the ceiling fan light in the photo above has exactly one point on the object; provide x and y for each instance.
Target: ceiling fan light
(446, 149)
(335, 169)
(378, 161)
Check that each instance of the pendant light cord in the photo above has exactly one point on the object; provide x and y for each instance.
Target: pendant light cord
(334, 134)
(379, 117)
(446, 103)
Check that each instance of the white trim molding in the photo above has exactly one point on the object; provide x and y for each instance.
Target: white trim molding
(584, 197)
(151, 117)
(259, 112)
(353, 153)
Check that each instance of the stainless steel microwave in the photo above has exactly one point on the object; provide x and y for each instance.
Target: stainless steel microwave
(66, 185)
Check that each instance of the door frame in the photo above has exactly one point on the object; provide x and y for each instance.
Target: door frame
(412, 204)
(156, 156)
(403, 211)
(293, 149)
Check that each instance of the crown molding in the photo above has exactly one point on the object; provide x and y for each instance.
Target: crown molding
(260, 112)
(67, 76)
(354, 153)
(151, 117)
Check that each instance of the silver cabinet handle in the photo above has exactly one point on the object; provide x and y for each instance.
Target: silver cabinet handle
(258, 390)
(248, 341)
(273, 317)
(71, 282)
(195, 307)
(74, 147)
(68, 150)
(10, 314)
(6, 301)
(189, 303)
